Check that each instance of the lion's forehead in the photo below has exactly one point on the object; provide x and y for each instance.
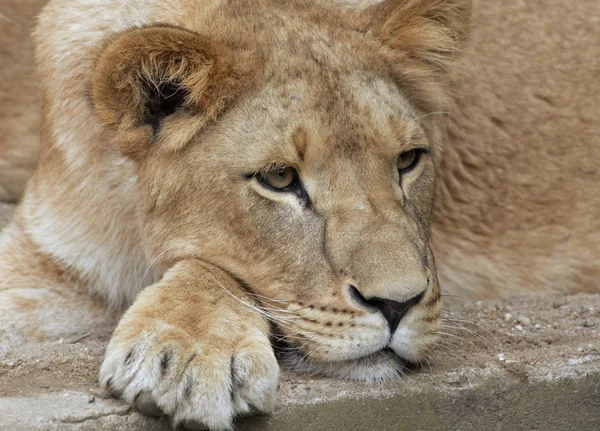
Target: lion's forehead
(358, 107)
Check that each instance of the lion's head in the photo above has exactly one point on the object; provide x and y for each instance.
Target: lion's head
(289, 143)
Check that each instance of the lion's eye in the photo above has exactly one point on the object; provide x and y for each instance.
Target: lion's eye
(408, 160)
(280, 180)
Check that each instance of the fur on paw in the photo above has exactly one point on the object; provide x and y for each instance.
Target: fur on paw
(200, 382)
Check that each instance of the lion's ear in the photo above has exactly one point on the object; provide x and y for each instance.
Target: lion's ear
(160, 85)
(424, 39)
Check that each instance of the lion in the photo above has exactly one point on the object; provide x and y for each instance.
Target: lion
(254, 181)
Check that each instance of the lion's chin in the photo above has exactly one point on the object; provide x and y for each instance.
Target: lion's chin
(380, 366)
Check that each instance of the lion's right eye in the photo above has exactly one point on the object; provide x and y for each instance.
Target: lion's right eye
(284, 179)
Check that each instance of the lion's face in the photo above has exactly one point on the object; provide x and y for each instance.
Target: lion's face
(310, 178)
(310, 210)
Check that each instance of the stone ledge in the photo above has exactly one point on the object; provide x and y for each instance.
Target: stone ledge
(526, 363)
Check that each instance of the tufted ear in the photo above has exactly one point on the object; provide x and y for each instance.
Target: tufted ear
(160, 85)
(424, 39)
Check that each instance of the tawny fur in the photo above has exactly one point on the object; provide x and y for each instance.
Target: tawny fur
(337, 91)
(516, 205)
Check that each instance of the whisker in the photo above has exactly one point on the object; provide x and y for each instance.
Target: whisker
(414, 120)
(280, 301)
(150, 266)
(461, 340)
(279, 310)
(462, 328)
(447, 347)
(491, 334)
(446, 343)
(263, 313)
(458, 297)
(310, 355)
(450, 335)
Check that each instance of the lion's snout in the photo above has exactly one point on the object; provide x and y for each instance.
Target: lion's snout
(388, 279)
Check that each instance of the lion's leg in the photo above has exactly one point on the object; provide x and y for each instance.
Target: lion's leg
(194, 347)
(39, 300)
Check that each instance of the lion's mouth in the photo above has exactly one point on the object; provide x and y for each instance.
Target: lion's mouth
(383, 365)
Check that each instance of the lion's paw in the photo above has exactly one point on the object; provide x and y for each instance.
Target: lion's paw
(200, 382)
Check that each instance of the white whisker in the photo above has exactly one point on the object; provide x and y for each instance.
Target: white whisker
(150, 266)
(280, 320)
(460, 327)
(280, 301)
(414, 120)
(458, 297)
(474, 324)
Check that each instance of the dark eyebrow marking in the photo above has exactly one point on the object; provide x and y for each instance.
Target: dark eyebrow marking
(407, 135)
(299, 139)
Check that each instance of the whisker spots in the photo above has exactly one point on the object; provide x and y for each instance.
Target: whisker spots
(430, 319)
(430, 301)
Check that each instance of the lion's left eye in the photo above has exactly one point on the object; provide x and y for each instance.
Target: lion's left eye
(281, 180)
(408, 160)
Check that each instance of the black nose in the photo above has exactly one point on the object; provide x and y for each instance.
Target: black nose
(393, 311)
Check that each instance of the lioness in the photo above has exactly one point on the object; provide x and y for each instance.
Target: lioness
(254, 172)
